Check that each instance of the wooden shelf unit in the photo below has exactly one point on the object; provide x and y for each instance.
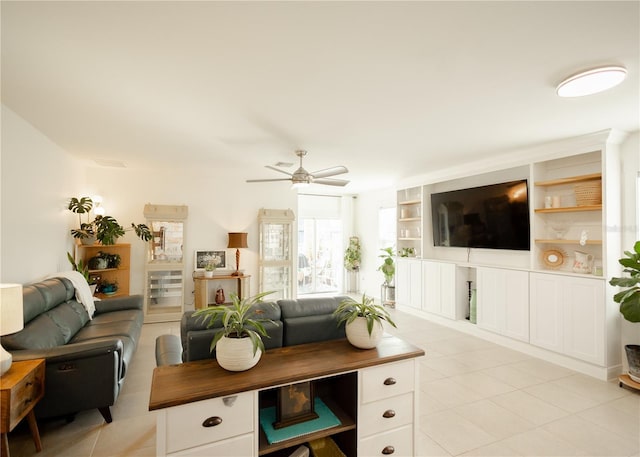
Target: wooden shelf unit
(120, 275)
(562, 241)
(569, 180)
(569, 209)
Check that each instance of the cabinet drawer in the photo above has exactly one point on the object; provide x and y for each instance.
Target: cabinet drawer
(387, 380)
(240, 446)
(186, 423)
(385, 414)
(26, 394)
(397, 442)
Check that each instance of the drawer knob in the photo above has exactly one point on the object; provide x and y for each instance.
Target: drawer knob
(212, 421)
(389, 414)
(389, 381)
(388, 450)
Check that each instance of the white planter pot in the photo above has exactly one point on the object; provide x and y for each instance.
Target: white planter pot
(208, 274)
(236, 354)
(358, 335)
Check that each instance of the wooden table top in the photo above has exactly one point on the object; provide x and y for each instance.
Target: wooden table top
(174, 385)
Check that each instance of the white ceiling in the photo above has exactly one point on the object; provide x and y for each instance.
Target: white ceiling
(388, 89)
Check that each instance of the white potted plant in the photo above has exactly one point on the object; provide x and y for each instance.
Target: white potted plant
(239, 344)
(363, 321)
(209, 268)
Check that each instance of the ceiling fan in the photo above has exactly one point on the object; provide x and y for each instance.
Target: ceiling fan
(302, 177)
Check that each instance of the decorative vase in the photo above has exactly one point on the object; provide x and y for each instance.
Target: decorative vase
(236, 354)
(220, 296)
(473, 306)
(208, 274)
(358, 335)
(633, 357)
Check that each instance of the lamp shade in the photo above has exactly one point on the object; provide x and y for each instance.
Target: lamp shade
(237, 240)
(11, 317)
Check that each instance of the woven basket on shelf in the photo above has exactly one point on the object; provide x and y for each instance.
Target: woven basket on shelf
(588, 193)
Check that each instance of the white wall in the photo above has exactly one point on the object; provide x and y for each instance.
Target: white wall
(366, 227)
(37, 179)
(219, 202)
(630, 156)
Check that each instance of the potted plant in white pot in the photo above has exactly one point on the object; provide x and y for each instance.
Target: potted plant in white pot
(209, 268)
(239, 344)
(363, 321)
(629, 299)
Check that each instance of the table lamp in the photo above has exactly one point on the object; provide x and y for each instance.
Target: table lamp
(237, 240)
(11, 318)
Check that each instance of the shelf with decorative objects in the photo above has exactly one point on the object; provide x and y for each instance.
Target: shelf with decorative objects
(409, 220)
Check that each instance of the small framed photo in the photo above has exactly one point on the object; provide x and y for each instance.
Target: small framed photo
(202, 258)
(295, 404)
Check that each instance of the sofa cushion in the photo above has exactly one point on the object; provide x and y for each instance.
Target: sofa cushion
(311, 329)
(303, 307)
(55, 327)
(42, 296)
(308, 320)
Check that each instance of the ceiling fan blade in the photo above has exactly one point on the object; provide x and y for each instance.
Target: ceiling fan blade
(329, 172)
(277, 169)
(268, 180)
(330, 182)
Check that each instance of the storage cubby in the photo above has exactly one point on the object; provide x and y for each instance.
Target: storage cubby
(568, 212)
(410, 211)
(119, 276)
(339, 394)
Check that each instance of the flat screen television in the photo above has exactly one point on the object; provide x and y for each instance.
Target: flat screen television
(493, 217)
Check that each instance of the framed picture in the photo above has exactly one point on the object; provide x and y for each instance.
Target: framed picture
(295, 404)
(201, 258)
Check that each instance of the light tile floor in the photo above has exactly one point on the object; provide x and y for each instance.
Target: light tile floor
(476, 399)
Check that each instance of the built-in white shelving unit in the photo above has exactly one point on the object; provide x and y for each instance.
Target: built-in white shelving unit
(538, 300)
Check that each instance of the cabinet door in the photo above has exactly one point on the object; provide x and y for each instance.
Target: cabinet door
(490, 298)
(583, 319)
(545, 313)
(448, 290)
(415, 284)
(431, 287)
(402, 282)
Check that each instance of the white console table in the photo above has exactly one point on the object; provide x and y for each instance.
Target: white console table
(206, 410)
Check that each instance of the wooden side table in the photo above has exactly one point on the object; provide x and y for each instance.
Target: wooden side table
(202, 290)
(21, 388)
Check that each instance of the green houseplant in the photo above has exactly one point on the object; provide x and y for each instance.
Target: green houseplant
(352, 255)
(388, 267)
(105, 229)
(363, 321)
(629, 299)
(241, 333)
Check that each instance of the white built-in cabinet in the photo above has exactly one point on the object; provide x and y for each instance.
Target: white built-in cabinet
(409, 282)
(568, 316)
(539, 297)
(503, 302)
(439, 288)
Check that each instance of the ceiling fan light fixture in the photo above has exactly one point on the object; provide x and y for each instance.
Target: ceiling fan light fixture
(591, 81)
(299, 185)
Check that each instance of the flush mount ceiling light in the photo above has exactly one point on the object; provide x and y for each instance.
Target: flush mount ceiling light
(592, 81)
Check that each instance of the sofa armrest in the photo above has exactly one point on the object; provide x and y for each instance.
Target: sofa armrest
(168, 350)
(119, 303)
(72, 351)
